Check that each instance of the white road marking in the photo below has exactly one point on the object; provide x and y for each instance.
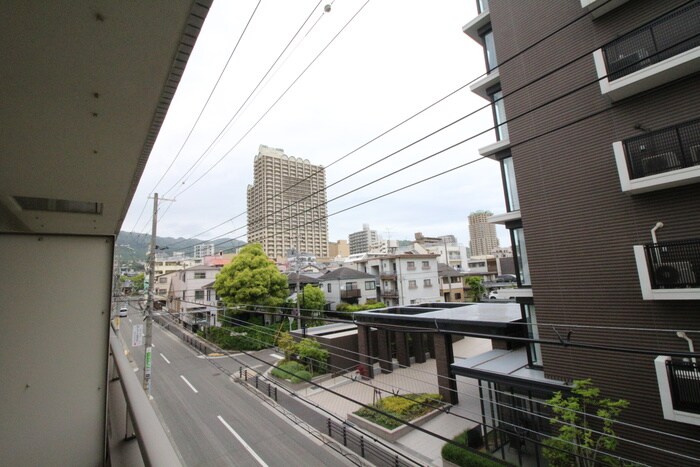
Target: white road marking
(240, 440)
(136, 369)
(166, 360)
(129, 320)
(278, 357)
(189, 384)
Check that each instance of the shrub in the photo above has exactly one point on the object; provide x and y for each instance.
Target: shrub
(406, 407)
(292, 371)
(466, 456)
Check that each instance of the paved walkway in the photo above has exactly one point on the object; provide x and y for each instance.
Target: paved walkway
(421, 377)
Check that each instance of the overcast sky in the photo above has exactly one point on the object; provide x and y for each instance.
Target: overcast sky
(395, 58)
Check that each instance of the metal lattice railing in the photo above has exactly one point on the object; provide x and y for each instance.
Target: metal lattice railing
(674, 264)
(665, 37)
(684, 379)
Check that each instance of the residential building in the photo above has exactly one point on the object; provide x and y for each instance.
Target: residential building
(84, 90)
(450, 251)
(203, 249)
(162, 287)
(604, 215)
(339, 248)
(482, 234)
(361, 242)
(191, 297)
(405, 278)
(346, 285)
(451, 283)
(287, 204)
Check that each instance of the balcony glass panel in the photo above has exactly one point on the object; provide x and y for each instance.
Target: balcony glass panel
(510, 184)
(490, 49)
(664, 150)
(684, 380)
(535, 350)
(499, 116)
(482, 5)
(521, 256)
(674, 264)
(663, 38)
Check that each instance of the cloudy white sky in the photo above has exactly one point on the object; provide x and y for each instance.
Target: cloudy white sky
(395, 58)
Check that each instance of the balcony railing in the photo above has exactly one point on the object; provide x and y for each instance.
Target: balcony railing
(665, 150)
(668, 36)
(390, 276)
(390, 294)
(684, 380)
(674, 264)
(350, 293)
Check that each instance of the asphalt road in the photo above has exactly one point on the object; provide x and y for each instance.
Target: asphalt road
(212, 420)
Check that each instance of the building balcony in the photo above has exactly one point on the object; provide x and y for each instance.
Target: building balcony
(505, 217)
(491, 150)
(661, 159)
(679, 389)
(657, 53)
(472, 28)
(388, 276)
(479, 87)
(390, 294)
(669, 270)
(350, 293)
(599, 7)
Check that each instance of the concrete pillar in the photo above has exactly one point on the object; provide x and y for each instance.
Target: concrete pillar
(402, 349)
(418, 347)
(383, 352)
(431, 344)
(363, 350)
(443, 359)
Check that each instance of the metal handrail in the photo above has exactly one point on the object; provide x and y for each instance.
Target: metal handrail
(156, 449)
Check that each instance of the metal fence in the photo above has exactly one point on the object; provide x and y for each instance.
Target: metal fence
(656, 41)
(664, 150)
(674, 264)
(684, 379)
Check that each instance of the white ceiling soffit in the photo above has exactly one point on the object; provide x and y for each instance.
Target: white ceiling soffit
(84, 89)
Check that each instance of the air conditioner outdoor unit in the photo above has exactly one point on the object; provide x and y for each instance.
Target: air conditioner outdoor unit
(674, 273)
(695, 154)
(628, 63)
(658, 163)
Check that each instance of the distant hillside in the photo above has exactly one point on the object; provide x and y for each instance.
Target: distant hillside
(134, 246)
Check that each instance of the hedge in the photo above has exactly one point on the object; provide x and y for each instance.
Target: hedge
(466, 456)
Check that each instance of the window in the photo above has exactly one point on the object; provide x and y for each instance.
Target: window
(162, 291)
(183, 294)
(534, 352)
(350, 285)
(499, 115)
(482, 5)
(162, 280)
(200, 275)
(370, 285)
(328, 287)
(412, 284)
(458, 296)
(426, 265)
(427, 283)
(199, 294)
(411, 265)
(521, 256)
(511, 188)
(209, 295)
(489, 50)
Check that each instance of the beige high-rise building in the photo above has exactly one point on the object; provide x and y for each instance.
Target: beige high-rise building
(482, 234)
(287, 204)
(339, 248)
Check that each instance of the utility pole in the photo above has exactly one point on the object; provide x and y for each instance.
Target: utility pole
(298, 285)
(148, 334)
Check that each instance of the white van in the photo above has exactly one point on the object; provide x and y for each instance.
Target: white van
(509, 293)
(123, 312)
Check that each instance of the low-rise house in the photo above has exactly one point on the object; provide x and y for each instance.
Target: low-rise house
(191, 297)
(348, 285)
(451, 283)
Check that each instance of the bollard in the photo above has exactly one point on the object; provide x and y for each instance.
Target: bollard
(275, 393)
(330, 433)
(240, 372)
(269, 390)
(256, 381)
(246, 374)
(397, 460)
(345, 437)
(362, 446)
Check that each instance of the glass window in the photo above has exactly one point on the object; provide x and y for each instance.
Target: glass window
(521, 256)
(411, 265)
(162, 280)
(534, 349)
(490, 51)
(427, 283)
(328, 287)
(482, 5)
(199, 294)
(369, 285)
(426, 265)
(200, 275)
(499, 115)
(509, 184)
(412, 284)
(350, 285)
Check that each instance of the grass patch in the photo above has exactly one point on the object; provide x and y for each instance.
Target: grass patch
(406, 407)
(299, 372)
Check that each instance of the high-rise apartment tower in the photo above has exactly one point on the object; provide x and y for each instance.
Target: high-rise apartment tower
(287, 205)
(361, 241)
(482, 234)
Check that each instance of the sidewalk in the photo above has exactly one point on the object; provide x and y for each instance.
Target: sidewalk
(421, 377)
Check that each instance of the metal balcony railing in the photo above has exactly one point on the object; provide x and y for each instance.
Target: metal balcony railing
(684, 380)
(665, 150)
(390, 294)
(665, 37)
(674, 264)
(350, 293)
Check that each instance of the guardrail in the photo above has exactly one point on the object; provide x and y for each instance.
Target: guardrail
(155, 447)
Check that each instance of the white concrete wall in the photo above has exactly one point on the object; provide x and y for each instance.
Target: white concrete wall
(54, 327)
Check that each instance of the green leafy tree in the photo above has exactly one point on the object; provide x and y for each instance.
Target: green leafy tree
(312, 354)
(251, 279)
(476, 288)
(578, 444)
(312, 298)
(138, 281)
(287, 344)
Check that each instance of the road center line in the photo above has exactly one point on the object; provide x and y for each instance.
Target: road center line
(189, 384)
(166, 360)
(278, 357)
(240, 440)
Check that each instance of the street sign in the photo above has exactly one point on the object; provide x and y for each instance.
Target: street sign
(137, 335)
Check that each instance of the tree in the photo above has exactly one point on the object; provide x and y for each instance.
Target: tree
(311, 352)
(476, 288)
(287, 344)
(578, 444)
(312, 298)
(251, 279)
(138, 281)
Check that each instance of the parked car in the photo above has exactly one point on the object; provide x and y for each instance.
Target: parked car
(123, 312)
(509, 293)
(506, 278)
